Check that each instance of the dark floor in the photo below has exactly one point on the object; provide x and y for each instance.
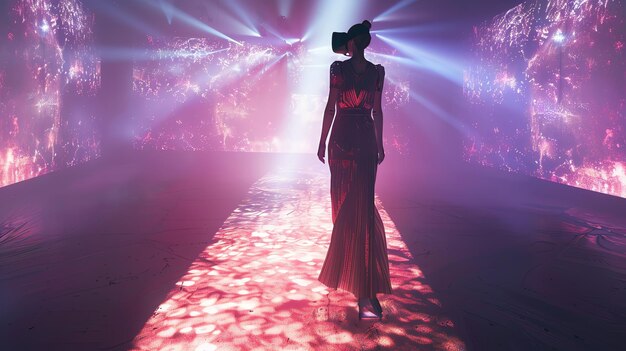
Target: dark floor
(220, 251)
(525, 264)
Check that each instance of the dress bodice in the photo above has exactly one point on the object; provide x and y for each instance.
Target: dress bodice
(356, 90)
(353, 136)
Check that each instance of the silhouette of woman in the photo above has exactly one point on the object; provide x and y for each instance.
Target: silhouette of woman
(356, 260)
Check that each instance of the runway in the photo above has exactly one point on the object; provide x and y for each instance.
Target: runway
(221, 251)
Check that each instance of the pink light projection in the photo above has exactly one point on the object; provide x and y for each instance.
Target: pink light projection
(548, 93)
(261, 95)
(48, 76)
(255, 287)
(200, 94)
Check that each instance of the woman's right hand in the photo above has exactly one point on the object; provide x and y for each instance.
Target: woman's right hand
(381, 155)
(321, 152)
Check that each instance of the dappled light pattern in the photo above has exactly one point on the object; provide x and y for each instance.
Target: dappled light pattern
(255, 286)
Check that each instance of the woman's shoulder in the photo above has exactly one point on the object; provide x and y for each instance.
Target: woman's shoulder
(378, 65)
(335, 67)
(380, 69)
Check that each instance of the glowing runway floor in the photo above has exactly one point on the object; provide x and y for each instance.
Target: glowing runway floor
(255, 286)
(221, 251)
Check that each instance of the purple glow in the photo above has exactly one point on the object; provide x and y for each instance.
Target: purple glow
(44, 87)
(45, 27)
(206, 94)
(547, 93)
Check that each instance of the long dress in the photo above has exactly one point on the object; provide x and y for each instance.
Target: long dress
(356, 260)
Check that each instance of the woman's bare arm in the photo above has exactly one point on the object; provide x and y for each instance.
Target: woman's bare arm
(329, 115)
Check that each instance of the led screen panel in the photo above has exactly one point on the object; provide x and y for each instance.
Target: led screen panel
(49, 78)
(547, 93)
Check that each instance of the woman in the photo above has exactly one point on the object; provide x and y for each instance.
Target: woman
(357, 257)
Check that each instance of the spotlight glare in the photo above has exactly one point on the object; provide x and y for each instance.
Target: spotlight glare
(244, 15)
(190, 20)
(329, 14)
(437, 110)
(273, 31)
(423, 58)
(284, 7)
(386, 15)
(255, 33)
(558, 37)
(319, 48)
(417, 29)
(132, 54)
(45, 27)
(166, 11)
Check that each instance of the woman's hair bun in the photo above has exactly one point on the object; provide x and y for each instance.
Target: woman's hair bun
(367, 23)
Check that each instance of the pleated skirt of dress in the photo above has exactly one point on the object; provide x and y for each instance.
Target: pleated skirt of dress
(357, 259)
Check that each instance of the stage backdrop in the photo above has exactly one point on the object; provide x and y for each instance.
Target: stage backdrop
(49, 78)
(260, 95)
(547, 93)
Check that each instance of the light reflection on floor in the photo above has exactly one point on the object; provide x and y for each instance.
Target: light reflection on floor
(255, 286)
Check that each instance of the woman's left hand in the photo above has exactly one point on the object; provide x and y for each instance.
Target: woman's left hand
(381, 155)
(321, 152)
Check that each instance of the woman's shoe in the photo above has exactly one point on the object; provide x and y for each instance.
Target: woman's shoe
(367, 311)
(378, 309)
